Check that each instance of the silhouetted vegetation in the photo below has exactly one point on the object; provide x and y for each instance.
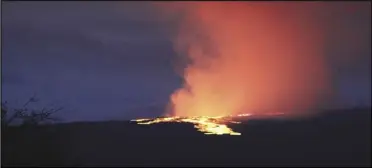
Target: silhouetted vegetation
(27, 116)
(23, 130)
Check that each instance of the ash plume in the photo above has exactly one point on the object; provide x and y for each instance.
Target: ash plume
(251, 57)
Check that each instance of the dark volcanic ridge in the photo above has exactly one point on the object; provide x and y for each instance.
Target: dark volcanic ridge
(336, 138)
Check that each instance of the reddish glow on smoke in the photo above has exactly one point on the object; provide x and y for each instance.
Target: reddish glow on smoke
(239, 57)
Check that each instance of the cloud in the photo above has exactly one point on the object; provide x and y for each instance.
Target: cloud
(75, 53)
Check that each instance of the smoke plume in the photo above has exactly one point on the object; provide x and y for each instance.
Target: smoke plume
(248, 57)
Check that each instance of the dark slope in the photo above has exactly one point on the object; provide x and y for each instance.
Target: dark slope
(338, 138)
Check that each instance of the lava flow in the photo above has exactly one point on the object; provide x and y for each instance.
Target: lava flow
(207, 125)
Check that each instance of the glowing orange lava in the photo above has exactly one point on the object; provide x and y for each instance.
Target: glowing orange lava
(207, 125)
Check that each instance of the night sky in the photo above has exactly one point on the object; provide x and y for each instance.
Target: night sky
(113, 60)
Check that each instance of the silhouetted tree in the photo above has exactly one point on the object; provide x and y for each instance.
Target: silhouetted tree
(26, 115)
(4, 112)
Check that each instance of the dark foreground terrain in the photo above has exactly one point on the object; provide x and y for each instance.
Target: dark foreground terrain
(338, 138)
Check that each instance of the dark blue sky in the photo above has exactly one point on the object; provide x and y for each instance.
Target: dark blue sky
(113, 60)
